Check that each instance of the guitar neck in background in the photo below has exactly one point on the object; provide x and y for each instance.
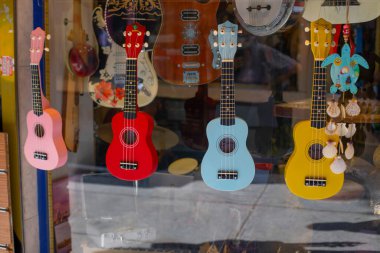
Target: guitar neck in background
(77, 15)
(130, 88)
(227, 96)
(36, 89)
(318, 100)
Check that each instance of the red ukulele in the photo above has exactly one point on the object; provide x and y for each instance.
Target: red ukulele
(131, 154)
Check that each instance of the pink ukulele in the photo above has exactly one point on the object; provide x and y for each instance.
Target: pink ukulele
(44, 146)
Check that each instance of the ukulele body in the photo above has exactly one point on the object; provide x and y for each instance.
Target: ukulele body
(132, 147)
(182, 54)
(237, 159)
(48, 141)
(301, 164)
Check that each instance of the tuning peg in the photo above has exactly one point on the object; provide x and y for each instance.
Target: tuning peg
(47, 49)
(138, 33)
(124, 33)
(48, 36)
(240, 31)
(129, 34)
(315, 30)
(215, 44)
(333, 31)
(146, 44)
(223, 44)
(239, 44)
(123, 45)
(31, 50)
(307, 29)
(327, 30)
(316, 43)
(136, 45)
(333, 44)
(326, 44)
(147, 33)
(232, 32)
(307, 42)
(215, 32)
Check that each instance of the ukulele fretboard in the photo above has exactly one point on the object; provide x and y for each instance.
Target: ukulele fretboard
(36, 89)
(318, 104)
(130, 95)
(227, 95)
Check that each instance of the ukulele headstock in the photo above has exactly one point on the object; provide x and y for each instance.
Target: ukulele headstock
(134, 39)
(321, 32)
(37, 42)
(227, 40)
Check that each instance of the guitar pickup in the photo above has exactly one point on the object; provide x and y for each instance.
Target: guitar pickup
(128, 166)
(228, 174)
(190, 49)
(40, 156)
(191, 65)
(190, 77)
(318, 182)
(190, 15)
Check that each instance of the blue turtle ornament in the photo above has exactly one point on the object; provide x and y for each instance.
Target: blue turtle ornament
(345, 70)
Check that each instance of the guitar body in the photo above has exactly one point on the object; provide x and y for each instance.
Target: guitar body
(48, 141)
(237, 158)
(330, 10)
(301, 165)
(121, 13)
(132, 143)
(182, 54)
(262, 18)
(106, 86)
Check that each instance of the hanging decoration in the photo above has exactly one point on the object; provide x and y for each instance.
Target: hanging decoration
(344, 74)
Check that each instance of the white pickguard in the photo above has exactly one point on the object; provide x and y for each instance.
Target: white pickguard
(366, 11)
(116, 65)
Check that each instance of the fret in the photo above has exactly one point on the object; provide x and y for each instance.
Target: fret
(36, 90)
(318, 104)
(130, 89)
(227, 94)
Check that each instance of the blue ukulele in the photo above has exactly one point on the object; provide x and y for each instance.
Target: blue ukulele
(227, 164)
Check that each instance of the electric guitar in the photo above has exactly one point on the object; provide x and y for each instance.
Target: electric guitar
(181, 54)
(227, 164)
(307, 173)
(44, 146)
(106, 85)
(334, 11)
(131, 154)
(265, 17)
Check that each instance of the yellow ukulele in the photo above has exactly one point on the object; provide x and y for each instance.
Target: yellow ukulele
(307, 173)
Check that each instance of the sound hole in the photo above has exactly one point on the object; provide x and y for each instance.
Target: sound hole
(129, 137)
(39, 130)
(227, 145)
(315, 151)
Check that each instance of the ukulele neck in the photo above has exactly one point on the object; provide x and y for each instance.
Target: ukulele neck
(318, 100)
(227, 97)
(130, 89)
(36, 89)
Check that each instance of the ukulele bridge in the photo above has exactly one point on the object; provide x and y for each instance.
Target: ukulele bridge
(318, 182)
(128, 166)
(228, 174)
(40, 156)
